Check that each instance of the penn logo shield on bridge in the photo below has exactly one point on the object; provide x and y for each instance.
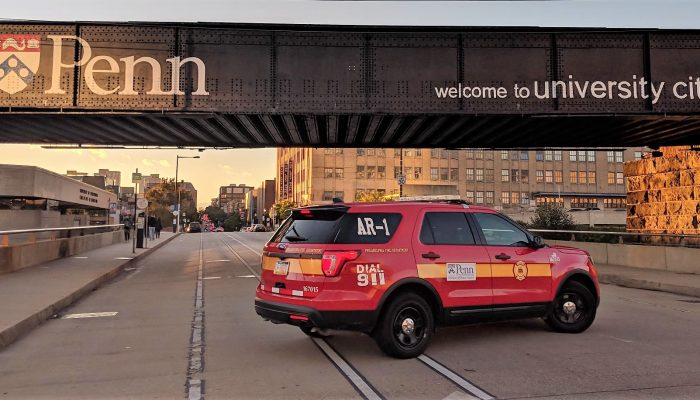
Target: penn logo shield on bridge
(19, 61)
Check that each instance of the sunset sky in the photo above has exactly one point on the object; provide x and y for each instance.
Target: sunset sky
(215, 167)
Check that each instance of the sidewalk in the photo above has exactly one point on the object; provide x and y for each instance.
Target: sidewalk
(32, 295)
(640, 278)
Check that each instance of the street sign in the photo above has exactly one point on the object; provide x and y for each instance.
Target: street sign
(401, 179)
(142, 204)
(136, 177)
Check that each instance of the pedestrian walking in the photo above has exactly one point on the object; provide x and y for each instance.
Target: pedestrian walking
(159, 227)
(127, 228)
(151, 227)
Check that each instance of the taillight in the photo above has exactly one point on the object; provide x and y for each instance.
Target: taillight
(333, 261)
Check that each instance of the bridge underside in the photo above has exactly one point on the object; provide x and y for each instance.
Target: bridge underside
(232, 85)
(348, 130)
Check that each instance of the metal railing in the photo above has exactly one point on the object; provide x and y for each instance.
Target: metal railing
(657, 239)
(23, 236)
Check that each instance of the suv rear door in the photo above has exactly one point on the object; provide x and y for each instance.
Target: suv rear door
(448, 256)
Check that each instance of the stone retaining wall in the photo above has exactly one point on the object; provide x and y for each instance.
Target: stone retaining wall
(663, 193)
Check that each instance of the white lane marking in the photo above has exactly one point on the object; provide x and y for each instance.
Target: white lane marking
(349, 372)
(458, 380)
(194, 389)
(123, 258)
(212, 277)
(214, 261)
(195, 364)
(235, 253)
(245, 245)
(80, 257)
(459, 395)
(246, 276)
(617, 338)
(90, 315)
(129, 269)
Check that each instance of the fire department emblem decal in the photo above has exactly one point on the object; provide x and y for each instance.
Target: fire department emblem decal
(19, 61)
(520, 270)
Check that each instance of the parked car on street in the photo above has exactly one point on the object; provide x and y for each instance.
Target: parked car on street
(398, 270)
(194, 227)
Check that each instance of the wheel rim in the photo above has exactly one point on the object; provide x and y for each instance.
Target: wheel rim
(409, 327)
(570, 308)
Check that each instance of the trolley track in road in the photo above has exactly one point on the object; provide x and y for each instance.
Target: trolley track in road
(352, 374)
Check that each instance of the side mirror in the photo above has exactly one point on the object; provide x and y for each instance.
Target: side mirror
(537, 242)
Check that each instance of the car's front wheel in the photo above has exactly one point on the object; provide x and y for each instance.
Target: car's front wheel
(406, 326)
(573, 310)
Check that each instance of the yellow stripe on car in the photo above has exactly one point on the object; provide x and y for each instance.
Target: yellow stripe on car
(436, 271)
(296, 265)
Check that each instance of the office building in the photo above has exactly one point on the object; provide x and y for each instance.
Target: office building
(514, 181)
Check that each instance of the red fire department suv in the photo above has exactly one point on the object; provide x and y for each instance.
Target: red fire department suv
(398, 270)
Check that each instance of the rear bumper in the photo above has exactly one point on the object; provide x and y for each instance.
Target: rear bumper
(280, 313)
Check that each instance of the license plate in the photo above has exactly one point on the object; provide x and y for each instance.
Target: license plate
(281, 267)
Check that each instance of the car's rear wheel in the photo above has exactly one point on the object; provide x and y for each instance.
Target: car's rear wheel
(406, 326)
(573, 310)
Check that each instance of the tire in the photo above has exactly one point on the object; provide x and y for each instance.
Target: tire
(315, 332)
(405, 328)
(574, 320)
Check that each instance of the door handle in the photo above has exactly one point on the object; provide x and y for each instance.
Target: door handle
(502, 256)
(431, 255)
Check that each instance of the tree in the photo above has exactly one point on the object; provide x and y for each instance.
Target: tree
(216, 214)
(283, 209)
(550, 216)
(232, 223)
(162, 196)
(370, 196)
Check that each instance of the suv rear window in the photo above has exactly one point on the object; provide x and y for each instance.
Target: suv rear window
(310, 226)
(336, 226)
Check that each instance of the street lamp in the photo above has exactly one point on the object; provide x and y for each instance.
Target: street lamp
(177, 164)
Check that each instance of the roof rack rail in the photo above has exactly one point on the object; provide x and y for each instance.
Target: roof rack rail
(436, 199)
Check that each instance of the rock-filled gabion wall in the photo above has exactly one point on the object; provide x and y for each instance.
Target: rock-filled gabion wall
(663, 193)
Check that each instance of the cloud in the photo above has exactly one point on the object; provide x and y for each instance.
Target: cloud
(164, 163)
(225, 167)
(147, 162)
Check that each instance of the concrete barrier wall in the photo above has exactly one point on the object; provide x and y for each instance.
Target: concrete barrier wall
(14, 258)
(674, 259)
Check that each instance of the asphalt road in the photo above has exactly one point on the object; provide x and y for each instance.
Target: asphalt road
(185, 327)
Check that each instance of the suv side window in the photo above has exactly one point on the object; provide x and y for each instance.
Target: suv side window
(446, 228)
(499, 231)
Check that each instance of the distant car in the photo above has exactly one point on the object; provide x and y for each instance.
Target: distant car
(219, 229)
(194, 227)
(258, 228)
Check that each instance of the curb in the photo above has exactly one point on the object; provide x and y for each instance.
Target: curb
(11, 334)
(636, 283)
